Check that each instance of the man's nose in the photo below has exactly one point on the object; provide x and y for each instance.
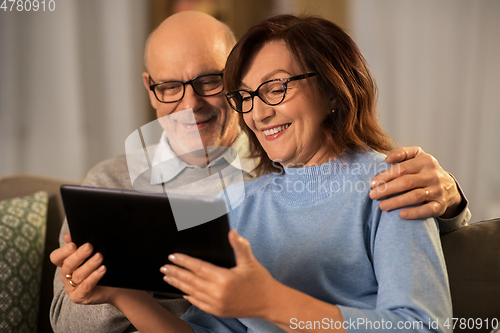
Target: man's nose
(191, 99)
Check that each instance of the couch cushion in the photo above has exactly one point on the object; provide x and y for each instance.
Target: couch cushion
(22, 185)
(472, 257)
(22, 241)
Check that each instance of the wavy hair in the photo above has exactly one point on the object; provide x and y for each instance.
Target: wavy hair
(322, 47)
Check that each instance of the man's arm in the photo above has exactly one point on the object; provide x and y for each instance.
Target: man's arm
(420, 179)
(66, 316)
(449, 224)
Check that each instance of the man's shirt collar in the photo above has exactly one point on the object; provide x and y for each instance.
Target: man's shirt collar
(167, 165)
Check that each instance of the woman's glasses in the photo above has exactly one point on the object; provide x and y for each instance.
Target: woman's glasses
(271, 92)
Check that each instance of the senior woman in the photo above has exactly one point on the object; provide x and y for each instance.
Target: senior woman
(307, 102)
(315, 252)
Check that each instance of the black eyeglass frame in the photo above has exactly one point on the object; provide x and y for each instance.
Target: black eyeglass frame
(256, 91)
(153, 85)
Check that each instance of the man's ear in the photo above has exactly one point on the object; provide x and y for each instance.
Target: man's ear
(152, 97)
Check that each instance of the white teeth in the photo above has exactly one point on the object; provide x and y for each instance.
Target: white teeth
(276, 129)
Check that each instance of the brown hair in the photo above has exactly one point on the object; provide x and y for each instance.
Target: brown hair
(322, 47)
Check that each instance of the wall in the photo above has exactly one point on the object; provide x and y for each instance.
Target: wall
(438, 74)
(70, 85)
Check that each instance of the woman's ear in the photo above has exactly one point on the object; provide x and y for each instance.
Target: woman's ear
(332, 103)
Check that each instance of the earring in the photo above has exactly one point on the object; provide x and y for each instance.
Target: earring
(333, 110)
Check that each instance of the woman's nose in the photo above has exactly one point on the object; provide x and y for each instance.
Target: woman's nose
(261, 111)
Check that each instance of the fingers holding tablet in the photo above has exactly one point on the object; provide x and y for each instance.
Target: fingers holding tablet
(86, 291)
(78, 274)
(58, 256)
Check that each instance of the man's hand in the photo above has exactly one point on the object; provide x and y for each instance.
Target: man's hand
(79, 278)
(424, 181)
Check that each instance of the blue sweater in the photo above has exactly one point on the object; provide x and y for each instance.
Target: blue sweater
(316, 230)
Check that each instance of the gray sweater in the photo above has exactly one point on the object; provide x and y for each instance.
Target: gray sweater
(67, 316)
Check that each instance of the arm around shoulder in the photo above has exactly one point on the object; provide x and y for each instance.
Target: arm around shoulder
(461, 219)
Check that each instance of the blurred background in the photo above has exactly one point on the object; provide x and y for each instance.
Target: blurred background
(71, 89)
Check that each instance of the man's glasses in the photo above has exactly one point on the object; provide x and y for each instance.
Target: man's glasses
(271, 92)
(173, 91)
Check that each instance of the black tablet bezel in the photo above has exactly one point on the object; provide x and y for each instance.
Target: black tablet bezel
(136, 232)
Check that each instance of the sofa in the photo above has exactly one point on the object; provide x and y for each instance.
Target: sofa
(472, 256)
(22, 185)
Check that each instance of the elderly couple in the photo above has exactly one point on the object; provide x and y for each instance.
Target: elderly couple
(296, 96)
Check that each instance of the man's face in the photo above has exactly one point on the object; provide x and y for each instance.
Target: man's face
(214, 120)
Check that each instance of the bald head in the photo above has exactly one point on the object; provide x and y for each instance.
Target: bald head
(186, 33)
(187, 46)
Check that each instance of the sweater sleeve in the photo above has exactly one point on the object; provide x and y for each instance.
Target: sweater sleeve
(413, 292)
(460, 220)
(66, 316)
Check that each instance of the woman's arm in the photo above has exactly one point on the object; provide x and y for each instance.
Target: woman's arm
(294, 311)
(248, 290)
(146, 314)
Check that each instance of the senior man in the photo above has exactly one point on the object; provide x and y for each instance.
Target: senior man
(190, 47)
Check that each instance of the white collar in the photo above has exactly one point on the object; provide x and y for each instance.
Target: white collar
(172, 165)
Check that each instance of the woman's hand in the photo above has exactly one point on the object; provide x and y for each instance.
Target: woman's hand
(242, 291)
(424, 181)
(80, 281)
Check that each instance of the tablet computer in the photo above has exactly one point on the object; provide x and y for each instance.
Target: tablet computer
(136, 232)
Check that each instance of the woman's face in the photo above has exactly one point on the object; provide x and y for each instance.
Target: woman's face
(289, 132)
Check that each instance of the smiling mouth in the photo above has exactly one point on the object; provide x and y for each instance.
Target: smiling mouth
(275, 130)
(194, 126)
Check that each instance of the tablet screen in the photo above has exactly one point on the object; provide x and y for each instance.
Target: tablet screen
(136, 232)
